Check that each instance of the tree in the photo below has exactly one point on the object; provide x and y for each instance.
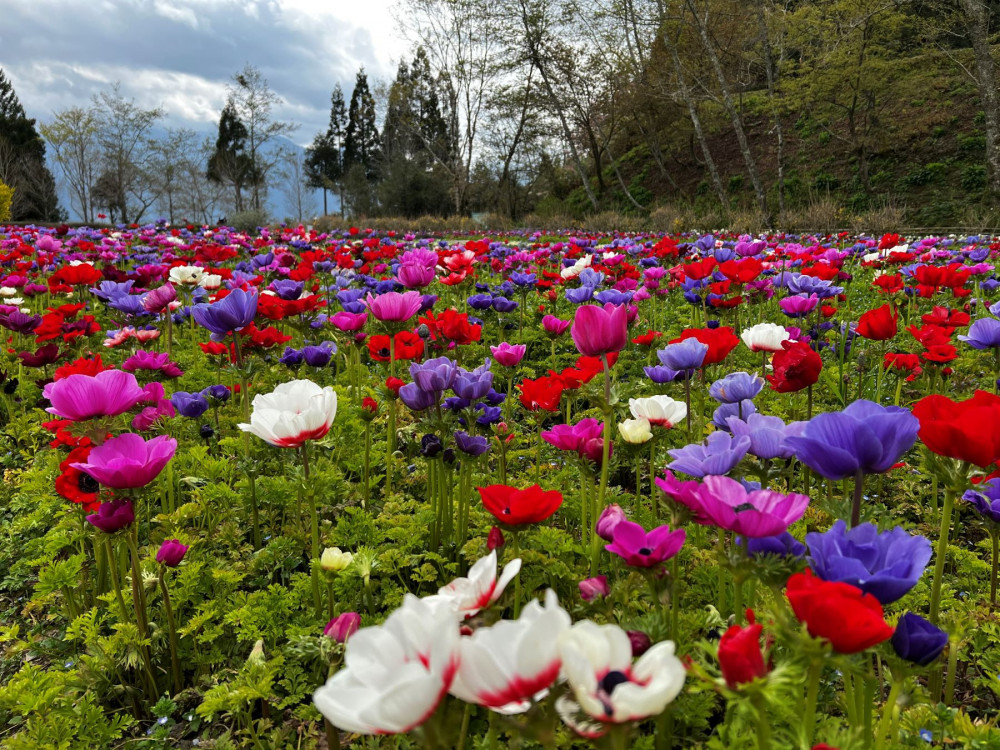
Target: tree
(295, 184)
(73, 137)
(361, 139)
(977, 16)
(126, 184)
(230, 164)
(252, 103)
(324, 163)
(22, 161)
(412, 181)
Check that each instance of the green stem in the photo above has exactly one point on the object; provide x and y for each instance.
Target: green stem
(888, 709)
(175, 665)
(812, 694)
(516, 549)
(941, 555)
(949, 686)
(859, 489)
(763, 726)
(251, 472)
(995, 537)
(595, 549)
(313, 529)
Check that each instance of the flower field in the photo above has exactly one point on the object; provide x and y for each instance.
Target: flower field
(373, 490)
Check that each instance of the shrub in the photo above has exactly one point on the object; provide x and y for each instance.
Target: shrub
(6, 198)
(248, 221)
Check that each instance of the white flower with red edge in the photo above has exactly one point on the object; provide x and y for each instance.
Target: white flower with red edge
(661, 411)
(480, 588)
(394, 674)
(606, 686)
(507, 665)
(292, 413)
(765, 337)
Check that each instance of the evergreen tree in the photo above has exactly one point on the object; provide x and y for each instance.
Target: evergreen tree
(22, 161)
(361, 139)
(325, 157)
(415, 132)
(230, 164)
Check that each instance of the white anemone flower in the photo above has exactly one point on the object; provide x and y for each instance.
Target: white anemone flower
(394, 674)
(508, 664)
(186, 275)
(661, 411)
(292, 413)
(765, 337)
(480, 588)
(607, 687)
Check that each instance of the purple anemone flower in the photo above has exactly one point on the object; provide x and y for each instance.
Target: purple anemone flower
(718, 455)
(642, 549)
(885, 565)
(864, 438)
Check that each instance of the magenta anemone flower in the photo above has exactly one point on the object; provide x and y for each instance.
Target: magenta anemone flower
(724, 502)
(572, 437)
(127, 461)
(113, 516)
(171, 552)
(394, 307)
(106, 394)
(152, 361)
(554, 326)
(600, 330)
(160, 298)
(508, 355)
(642, 549)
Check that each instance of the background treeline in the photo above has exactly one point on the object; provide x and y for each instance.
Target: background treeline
(667, 113)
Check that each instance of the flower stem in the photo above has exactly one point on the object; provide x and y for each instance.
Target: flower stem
(251, 475)
(595, 548)
(995, 537)
(859, 488)
(812, 694)
(763, 727)
(888, 709)
(313, 531)
(941, 555)
(516, 549)
(175, 665)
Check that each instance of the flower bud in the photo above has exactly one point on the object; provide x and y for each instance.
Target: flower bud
(334, 560)
(171, 553)
(639, 641)
(610, 518)
(495, 539)
(342, 627)
(592, 588)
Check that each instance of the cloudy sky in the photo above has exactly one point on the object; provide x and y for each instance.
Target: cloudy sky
(180, 54)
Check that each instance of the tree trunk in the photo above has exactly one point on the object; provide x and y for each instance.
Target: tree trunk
(734, 116)
(977, 20)
(698, 132)
(536, 61)
(772, 76)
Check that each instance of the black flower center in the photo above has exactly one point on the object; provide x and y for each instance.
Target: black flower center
(87, 483)
(612, 680)
(743, 507)
(645, 551)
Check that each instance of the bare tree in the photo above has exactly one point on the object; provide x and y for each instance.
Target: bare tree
(466, 43)
(128, 155)
(294, 185)
(977, 21)
(254, 103)
(73, 137)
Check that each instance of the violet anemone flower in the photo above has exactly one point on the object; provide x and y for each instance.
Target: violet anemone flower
(986, 500)
(112, 516)
(718, 455)
(768, 435)
(885, 565)
(864, 438)
(234, 312)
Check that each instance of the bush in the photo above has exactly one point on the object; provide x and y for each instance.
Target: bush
(974, 178)
(822, 215)
(6, 198)
(670, 218)
(248, 221)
